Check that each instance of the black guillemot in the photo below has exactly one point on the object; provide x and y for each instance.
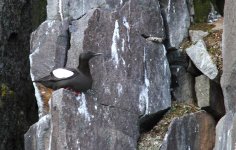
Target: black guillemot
(79, 79)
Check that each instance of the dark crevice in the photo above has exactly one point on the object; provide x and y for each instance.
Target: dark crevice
(67, 47)
(147, 122)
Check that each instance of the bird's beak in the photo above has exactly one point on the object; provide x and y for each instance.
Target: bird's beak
(96, 54)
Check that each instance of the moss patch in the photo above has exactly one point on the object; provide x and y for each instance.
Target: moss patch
(214, 47)
(46, 94)
(39, 13)
(202, 9)
(202, 26)
(153, 139)
(5, 90)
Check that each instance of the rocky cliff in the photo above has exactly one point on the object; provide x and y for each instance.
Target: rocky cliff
(152, 61)
(18, 107)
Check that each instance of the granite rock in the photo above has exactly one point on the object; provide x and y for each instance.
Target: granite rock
(202, 60)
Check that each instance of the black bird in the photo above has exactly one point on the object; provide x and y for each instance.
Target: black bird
(79, 79)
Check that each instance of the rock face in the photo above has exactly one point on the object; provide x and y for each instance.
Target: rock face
(183, 91)
(196, 35)
(177, 21)
(194, 131)
(202, 60)
(228, 78)
(18, 108)
(225, 132)
(209, 95)
(131, 79)
(83, 123)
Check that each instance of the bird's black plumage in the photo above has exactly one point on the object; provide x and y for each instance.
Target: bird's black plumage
(81, 80)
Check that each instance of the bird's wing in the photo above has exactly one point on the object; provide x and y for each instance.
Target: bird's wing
(54, 78)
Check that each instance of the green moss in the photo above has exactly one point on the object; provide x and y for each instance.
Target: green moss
(5, 91)
(202, 9)
(39, 12)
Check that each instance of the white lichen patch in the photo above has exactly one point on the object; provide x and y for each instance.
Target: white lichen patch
(119, 88)
(127, 26)
(60, 9)
(143, 96)
(123, 45)
(114, 46)
(62, 73)
(50, 23)
(37, 92)
(83, 110)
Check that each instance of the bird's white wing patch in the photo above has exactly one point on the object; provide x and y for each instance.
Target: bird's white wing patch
(62, 73)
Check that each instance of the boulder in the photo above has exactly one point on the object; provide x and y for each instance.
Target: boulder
(202, 60)
(196, 35)
(38, 136)
(49, 44)
(81, 122)
(202, 88)
(177, 21)
(194, 131)
(209, 96)
(225, 132)
(126, 75)
(228, 80)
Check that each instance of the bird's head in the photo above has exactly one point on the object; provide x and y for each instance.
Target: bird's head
(88, 55)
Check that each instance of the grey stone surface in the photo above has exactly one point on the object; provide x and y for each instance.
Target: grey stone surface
(49, 44)
(225, 132)
(229, 52)
(202, 88)
(38, 136)
(177, 21)
(74, 9)
(202, 60)
(131, 78)
(209, 95)
(196, 35)
(82, 122)
(183, 91)
(59, 9)
(127, 69)
(194, 131)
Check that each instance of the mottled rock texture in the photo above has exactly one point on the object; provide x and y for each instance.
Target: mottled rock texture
(225, 132)
(183, 90)
(177, 21)
(196, 35)
(209, 96)
(195, 131)
(202, 60)
(131, 78)
(18, 108)
(229, 52)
